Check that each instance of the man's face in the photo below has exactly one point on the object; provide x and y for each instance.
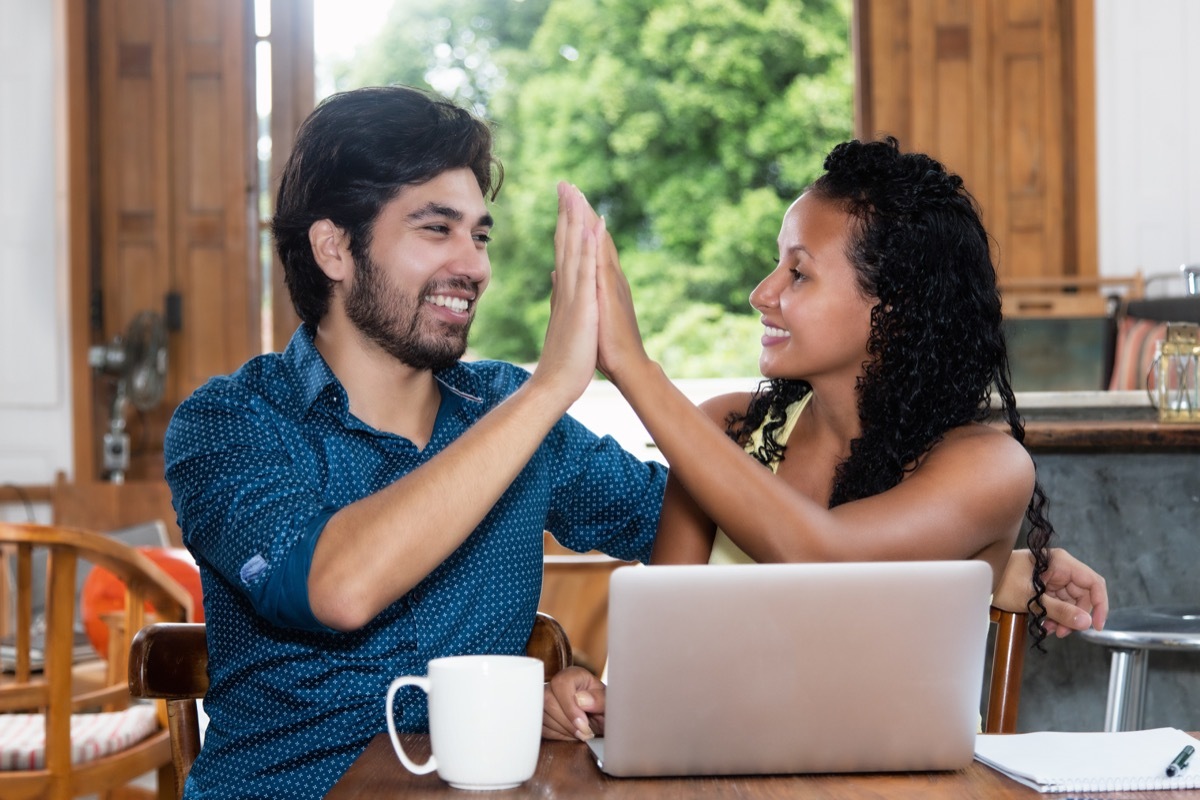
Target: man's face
(414, 295)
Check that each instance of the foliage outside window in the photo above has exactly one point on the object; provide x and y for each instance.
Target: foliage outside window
(690, 124)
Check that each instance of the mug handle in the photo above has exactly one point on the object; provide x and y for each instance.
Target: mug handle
(423, 685)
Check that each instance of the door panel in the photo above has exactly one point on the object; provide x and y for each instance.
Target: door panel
(998, 90)
(170, 141)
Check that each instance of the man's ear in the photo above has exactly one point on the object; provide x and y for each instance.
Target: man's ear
(331, 249)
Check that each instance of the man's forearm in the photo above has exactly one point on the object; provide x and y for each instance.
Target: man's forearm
(375, 550)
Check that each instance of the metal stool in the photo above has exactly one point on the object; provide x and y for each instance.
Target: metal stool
(1131, 633)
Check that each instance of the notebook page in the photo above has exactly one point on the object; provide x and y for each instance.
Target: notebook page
(1054, 761)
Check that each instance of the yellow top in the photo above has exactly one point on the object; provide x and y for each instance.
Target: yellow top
(724, 551)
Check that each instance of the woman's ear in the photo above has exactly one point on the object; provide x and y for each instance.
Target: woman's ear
(331, 249)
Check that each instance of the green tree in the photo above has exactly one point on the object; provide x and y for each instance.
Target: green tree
(458, 47)
(690, 124)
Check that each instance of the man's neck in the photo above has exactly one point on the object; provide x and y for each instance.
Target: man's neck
(383, 392)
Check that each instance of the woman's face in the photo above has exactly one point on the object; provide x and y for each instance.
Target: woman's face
(816, 317)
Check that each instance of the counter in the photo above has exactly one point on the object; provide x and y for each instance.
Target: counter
(1124, 496)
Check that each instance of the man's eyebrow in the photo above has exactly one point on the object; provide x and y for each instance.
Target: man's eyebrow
(448, 212)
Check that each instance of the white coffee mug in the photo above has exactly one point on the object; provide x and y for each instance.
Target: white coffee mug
(485, 720)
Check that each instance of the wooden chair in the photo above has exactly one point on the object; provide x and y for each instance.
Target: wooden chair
(170, 662)
(49, 693)
(575, 592)
(1004, 684)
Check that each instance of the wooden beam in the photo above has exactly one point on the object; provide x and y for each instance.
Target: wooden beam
(80, 227)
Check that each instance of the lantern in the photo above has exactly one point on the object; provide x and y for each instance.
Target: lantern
(1176, 390)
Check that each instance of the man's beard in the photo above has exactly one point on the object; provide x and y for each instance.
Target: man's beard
(395, 322)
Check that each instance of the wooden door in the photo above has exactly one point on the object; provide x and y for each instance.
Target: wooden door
(1001, 91)
(163, 127)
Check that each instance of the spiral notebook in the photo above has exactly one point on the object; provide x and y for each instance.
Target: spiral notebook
(1054, 761)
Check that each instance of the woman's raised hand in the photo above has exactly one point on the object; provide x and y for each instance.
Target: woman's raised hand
(620, 348)
(569, 353)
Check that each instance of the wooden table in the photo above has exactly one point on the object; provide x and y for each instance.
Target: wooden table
(566, 770)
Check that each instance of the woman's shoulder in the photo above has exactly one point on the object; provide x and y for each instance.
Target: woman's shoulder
(980, 447)
(980, 435)
(720, 407)
(983, 434)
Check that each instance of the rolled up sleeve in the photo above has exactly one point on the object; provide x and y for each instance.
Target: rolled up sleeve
(246, 509)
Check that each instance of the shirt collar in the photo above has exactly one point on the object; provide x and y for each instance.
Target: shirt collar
(462, 381)
(308, 366)
(313, 373)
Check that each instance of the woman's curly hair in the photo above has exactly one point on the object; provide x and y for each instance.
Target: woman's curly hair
(936, 346)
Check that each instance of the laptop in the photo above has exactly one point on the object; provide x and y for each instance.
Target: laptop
(148, 534)
(794, 668)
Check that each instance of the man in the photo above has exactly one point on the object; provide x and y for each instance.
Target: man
(365, 502)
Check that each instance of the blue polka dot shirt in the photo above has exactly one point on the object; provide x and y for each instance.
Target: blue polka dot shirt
(259, 460)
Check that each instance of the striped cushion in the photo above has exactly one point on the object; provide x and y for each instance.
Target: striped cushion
(1134, 355)
(23, 736)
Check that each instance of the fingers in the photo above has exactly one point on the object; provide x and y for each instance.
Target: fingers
(1100, 609)
(560, 230)
(591, 293)
(555, 724)
(620, 343)
(1081, 585)
(1067, 617)
(562, 210)
(1076, 596)
(587, 268)
(608, 269)
(1090, 584)
(574, 705)
(569, 237)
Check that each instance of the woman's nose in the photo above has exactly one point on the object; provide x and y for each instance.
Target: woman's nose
(766, 294)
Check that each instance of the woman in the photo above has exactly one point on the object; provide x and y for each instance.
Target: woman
(881, 348)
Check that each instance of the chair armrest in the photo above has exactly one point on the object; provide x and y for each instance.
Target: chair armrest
(548, 642)
(1008, 659)
(169, 660)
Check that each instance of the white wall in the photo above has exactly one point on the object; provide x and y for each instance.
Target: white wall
(1148, 142)
(35, 392)
(1148, 137)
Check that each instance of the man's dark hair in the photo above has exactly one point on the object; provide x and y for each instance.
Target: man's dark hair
(936, 347)
(351, 157)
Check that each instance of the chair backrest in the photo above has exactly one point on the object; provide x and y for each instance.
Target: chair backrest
(170, 662)
(1004, 684)
(575, 592)
(50, 690)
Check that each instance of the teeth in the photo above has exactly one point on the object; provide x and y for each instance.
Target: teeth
(453, 303)
(776, 332)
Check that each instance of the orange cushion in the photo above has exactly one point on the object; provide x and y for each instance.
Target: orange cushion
(93, 736)
(1134, 352)
(103, 593)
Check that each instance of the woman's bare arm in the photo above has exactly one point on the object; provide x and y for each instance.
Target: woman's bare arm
(968, 495)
